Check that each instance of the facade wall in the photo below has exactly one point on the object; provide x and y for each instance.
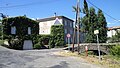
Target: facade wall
(112, 32)
(68, 28)
(45, 26)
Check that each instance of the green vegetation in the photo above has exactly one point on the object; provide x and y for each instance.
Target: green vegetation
(55, 39)
(21, 23)
(57, 36)
(115, 51)
(41, 40)
(0, 29)
(92, 21)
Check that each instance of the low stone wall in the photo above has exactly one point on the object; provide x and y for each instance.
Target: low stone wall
(104, 47)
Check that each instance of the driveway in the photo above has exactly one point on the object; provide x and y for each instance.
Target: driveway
(39, 59)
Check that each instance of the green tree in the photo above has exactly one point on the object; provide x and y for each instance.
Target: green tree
(102, 26)
(91, 26)
(85, 19)
(85, 9)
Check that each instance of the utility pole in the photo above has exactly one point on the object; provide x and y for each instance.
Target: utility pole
(74, 28)
(78, 26)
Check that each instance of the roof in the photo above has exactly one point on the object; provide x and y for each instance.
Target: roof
(113, 28)
(53, 18)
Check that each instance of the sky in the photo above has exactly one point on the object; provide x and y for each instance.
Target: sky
(46, 8)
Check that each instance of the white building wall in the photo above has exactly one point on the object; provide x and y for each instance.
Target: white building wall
(111, 33)
(45, 27)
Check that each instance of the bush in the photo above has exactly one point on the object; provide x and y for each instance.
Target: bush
(16, 44)
(37, 46)
(115, 51)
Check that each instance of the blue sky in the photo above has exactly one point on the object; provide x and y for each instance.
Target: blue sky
(47, 8)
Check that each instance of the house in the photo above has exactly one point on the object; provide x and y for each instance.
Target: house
(112, 31)
(20, 31)
(46, 23)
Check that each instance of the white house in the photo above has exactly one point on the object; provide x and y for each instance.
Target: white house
(46, 23)
(112, 31)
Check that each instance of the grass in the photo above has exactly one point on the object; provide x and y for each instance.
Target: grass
(111, 61)
(107, 61)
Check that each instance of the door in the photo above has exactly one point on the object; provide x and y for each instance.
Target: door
(28, 45)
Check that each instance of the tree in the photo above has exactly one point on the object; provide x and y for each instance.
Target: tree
(92, 21)
(85, 10)
(102, 26)
(91, 26)
(85, 19)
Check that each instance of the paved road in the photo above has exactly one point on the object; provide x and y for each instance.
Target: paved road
(39, 59)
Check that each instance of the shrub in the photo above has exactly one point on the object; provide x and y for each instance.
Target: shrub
(115, 51)
(16, 44)
(40, 41)
(37, 46)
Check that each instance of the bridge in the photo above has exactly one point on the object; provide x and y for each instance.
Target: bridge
(104, 47)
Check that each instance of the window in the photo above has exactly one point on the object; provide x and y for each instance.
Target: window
(70, 24)
(29, 30)
(65, 30)
(65, 22)
(13, 30)
(71, 32)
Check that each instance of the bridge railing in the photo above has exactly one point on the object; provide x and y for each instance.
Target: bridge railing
(93, 46)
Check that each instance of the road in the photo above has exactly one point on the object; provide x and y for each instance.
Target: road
(39, 59)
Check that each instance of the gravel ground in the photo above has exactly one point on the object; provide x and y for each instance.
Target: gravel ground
(39, 59)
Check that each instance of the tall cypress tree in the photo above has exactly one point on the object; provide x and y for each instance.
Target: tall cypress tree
(85, 19)
(92, 21)
(85, 10)
(102, 26)
(92, 25)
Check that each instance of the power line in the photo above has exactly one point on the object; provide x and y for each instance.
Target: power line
(102, 10)
(29, 4)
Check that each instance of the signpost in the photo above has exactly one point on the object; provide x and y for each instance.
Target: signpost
(68, 36)
(97, 32)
